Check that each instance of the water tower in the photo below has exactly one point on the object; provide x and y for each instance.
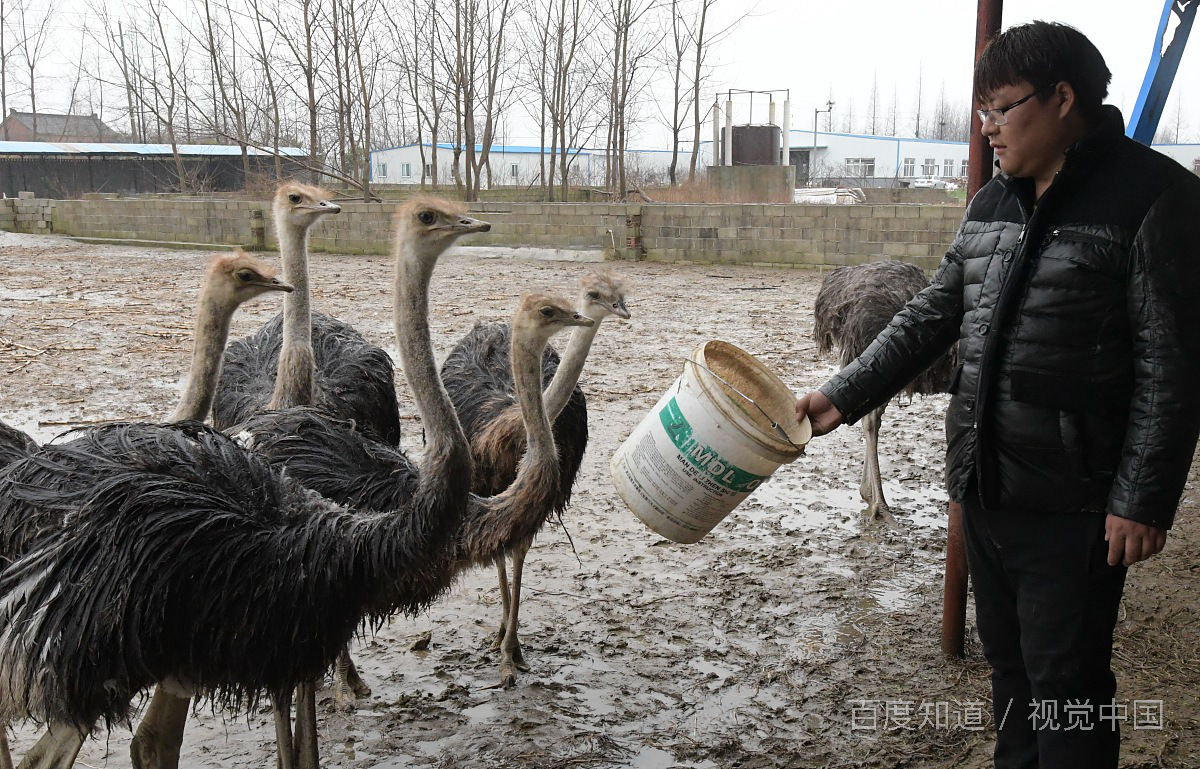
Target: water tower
(750, 160)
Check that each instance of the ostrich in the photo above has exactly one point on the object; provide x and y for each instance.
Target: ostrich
(478, 375)
(156, 531)
(855, 304)
(324, 362)
(229, 282)
(425, 228)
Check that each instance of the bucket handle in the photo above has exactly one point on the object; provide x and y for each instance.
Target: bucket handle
(774, 425)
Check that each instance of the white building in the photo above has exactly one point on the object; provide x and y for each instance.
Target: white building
(517, 166)
(859, 160)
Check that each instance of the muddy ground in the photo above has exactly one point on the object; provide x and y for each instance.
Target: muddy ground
(756, 647)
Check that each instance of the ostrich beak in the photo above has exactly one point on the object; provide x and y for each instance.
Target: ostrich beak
(621, 311)
(579, 320)
(465, 224)
(325, 207)
(275, 284)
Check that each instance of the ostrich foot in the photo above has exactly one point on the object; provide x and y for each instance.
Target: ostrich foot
(348, 686)
(56, 749)
(881, 513)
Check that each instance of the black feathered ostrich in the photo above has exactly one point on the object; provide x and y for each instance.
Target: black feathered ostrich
(159, 530)
(159, 737)
(855, 304)
(478, 375)
(229, 282)
(302, 358)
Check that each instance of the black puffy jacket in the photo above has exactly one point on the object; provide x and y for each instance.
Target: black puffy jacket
(1079, 329)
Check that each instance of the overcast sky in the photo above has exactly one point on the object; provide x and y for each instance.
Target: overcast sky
(822, 49)
(819, 48)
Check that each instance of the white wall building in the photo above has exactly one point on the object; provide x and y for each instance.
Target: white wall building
(853, 159)
(518, 166)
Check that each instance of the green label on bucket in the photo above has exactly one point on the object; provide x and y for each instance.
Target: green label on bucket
(702, 457)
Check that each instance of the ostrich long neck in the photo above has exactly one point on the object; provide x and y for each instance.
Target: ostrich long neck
(295, 377)
(414, 343)
(517, 512)
(559, 391)
(212, 332)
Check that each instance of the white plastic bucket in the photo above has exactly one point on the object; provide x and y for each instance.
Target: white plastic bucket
(722, 429)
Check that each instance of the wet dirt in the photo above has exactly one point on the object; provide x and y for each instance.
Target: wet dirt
(796, 634)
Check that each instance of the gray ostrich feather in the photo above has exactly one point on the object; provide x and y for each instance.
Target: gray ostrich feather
(856, 303)
(354, 377)
(478, 376)
(136, 554)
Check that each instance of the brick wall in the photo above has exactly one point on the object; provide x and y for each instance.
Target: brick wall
(783, 235)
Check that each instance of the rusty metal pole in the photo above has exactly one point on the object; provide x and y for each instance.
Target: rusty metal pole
(979, 171)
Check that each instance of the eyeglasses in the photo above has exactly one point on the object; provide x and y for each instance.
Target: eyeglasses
(999, 115)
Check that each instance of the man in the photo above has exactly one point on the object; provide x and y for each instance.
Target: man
(1072, 289)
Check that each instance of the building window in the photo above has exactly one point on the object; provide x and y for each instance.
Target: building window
(909, 168)
(930, 167)
(383, 170)
(963, 170)
(428, 171)
(1196, 166)
(406, 170)
(513, 169)
(860, 167)
(948, 168)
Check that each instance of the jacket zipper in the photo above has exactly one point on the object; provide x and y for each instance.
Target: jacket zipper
(1017, 254)
(1079, 237)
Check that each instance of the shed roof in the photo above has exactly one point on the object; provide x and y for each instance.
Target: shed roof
(97, 148)
(49, 124)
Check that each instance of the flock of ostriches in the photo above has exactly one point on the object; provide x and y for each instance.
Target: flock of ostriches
(170, 555)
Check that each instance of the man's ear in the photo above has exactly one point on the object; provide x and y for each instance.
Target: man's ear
(1064, 92)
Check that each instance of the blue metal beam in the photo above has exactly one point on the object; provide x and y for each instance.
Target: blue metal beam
(1164, 62)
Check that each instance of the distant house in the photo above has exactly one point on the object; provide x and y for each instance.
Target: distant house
(47, 127)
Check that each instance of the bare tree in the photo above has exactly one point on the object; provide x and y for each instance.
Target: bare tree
(917, 112)
(873, 105)
(33, 43)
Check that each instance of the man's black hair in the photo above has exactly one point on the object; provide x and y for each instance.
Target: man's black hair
(1044, 53)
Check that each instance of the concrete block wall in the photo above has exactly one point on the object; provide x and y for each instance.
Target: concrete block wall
(757, 234)
(798, 235)
(26, 213)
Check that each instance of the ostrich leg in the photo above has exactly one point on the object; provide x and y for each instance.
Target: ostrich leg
(871, 487)
(505, 603)
(285, 756)
(306, 726)
(348, 685)
(159, 736)
(511, 659)
(5, 755)
(57, 748)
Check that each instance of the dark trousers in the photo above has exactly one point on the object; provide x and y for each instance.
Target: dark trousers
(1046, 602)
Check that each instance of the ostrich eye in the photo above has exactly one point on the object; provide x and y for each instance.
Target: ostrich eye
(547, 312)
(425, 217)
(245, 276)
(294, 197)
(593, 295)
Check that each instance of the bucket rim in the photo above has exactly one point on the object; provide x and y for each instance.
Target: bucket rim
(710, 383)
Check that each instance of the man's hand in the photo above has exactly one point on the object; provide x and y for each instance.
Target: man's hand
(1130, 541)
(820, 411)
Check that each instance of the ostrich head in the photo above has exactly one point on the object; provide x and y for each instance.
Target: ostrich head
(430, 225)
(238, 277)
(299, 206)
(540, 317)
(603, 295)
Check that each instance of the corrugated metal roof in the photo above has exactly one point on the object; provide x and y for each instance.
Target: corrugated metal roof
(96, 148)
(501, 149)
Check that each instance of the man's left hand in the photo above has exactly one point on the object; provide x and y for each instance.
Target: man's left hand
(1130, 541)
